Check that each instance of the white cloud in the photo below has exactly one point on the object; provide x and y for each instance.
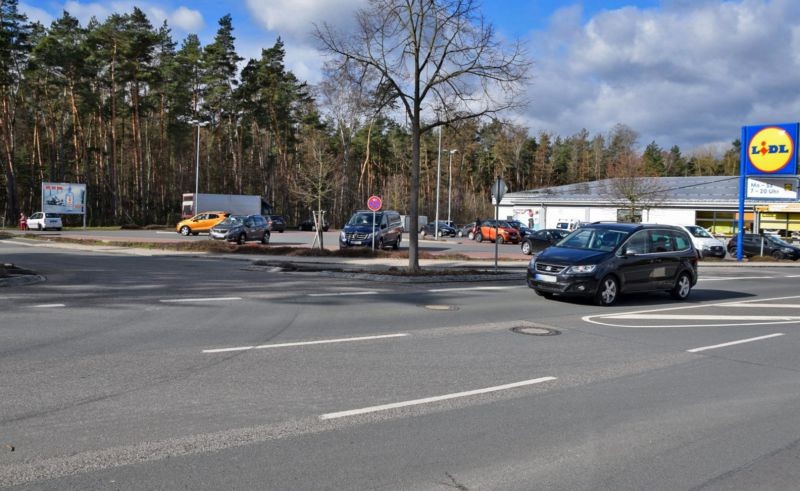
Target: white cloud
(295, 18)
(182, 18)
(36, 14)
(687, 74)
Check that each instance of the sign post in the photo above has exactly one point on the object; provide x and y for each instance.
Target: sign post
(374, 203)
(768, 151)
(499, 189)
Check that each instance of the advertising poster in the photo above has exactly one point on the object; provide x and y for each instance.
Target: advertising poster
(64, 198)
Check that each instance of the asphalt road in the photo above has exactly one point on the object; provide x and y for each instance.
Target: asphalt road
(127, 372)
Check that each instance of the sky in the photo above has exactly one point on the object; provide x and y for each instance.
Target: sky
(679, 72)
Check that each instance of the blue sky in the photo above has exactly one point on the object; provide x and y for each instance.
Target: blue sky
(685, 72)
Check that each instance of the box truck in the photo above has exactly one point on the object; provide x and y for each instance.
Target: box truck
(237, 204)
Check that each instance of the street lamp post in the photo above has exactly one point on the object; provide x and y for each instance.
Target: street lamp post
(198, 124)
(450, 184)
(438, 178)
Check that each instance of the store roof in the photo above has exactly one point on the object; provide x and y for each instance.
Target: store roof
(666, 191)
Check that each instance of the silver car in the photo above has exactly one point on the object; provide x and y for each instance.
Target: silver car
(241, 228)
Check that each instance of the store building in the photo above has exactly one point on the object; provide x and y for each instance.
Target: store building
(709, 201)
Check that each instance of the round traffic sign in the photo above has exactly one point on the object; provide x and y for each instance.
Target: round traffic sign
(374, 203)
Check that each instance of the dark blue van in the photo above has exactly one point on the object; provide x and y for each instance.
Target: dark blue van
(358, 231)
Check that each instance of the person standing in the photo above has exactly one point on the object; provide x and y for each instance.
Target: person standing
(23, 221)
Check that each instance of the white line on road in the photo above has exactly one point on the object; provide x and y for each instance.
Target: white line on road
(341, 294)
(729, 278)
(427, 400)
(49, 306)
(763, 305)
(476, 288)
(305, 343)
(701, 317)
(723, 345)
(210, 299)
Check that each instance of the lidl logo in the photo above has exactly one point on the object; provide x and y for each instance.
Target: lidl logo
(771, 149)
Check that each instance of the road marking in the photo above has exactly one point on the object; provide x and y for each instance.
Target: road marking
(741, 341)
(792, 276)
(340, 294)
(427, 400)
(49, 306)
(763, 305)
(729, 278)
(465, 289)
(701, 317)
(305, 343)
(599, 318)
(211, 299)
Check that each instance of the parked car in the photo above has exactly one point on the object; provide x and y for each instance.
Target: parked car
(541, 240)
(505, 232)
(772, 246)
(44, 221)
(359, 230)
(308, 225)
(605, 260)
(521, 227)
(467, 230)
(241, 228)
(202, 222)
(444, 228)
(275, 223)
(704, 242)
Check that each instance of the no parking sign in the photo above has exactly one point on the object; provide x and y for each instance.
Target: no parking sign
(374, 203)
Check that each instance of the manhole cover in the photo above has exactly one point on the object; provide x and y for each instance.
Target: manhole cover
(441, 308)
(535, 331)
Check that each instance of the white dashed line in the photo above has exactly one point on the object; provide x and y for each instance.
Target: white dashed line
(305, 343)
(475, 288)
(49, 306)
(211, 299)
(340, 294)
(732, 343)
(729, 278)
(427, 400)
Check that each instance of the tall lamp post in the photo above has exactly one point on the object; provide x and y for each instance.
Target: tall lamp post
(450, 184)
(198, 124)
(438, 179)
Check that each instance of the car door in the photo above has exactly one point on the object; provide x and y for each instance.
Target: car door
(666, 261)
(635, 263)
(540, 240)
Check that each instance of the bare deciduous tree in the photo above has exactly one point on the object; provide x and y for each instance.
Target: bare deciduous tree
(630, 188)
(440, 59)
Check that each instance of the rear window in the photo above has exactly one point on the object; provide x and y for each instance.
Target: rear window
(682, 241)
(51, 215)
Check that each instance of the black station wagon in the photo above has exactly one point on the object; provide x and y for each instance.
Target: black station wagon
(604, 260)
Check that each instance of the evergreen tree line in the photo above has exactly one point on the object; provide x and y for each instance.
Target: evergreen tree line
(117, 105)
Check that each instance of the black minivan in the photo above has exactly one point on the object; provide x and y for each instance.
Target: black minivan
(358, 231)
(604, 260)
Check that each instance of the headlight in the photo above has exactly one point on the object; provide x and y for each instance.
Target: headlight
(786, 249)
(532, 263)
(342, 235)
(584, 268)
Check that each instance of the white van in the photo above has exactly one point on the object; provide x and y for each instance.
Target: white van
(704, 242)
(568, 224)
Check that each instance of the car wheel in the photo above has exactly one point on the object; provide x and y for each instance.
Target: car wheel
(682, 288)
(544, 294)
(423, 233)
(471, 236)
(185, 230)
(478, 237)
(441, 233)
(607, 292)
(265, 238)
(241, 239)
(380, 244)
(778, 255)
(460, 233)
(526, 248)
(396, 244)
(39, 227)
(499, 239)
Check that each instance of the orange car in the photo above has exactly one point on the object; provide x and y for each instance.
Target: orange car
(202, 222)
(505, 232)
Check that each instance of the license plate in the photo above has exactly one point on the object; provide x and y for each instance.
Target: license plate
(546, 278)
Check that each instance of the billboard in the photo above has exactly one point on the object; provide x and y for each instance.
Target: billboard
(770, 149)
(64, 198)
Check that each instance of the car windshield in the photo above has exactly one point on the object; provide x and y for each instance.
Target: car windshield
(594, 239)
(777, 240)
(699, 232)
(362, 219)
(233, 220)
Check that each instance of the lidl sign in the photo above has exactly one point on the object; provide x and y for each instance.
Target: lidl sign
(771, 149)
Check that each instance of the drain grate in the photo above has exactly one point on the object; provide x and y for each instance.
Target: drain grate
(441, 308)
(535, 331)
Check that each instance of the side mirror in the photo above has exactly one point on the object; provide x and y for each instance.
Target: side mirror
(383, 225)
